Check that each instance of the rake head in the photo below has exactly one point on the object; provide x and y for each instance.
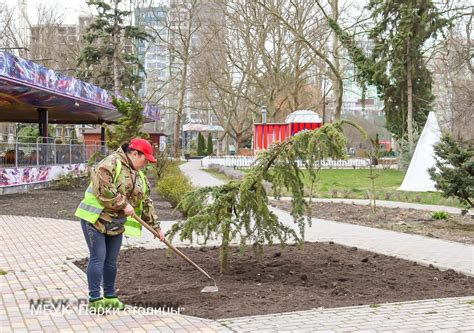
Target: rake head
(210, 289)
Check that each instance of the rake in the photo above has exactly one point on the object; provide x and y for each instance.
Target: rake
(207, 289)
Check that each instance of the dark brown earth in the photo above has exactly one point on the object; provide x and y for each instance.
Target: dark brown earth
(456, 228)
(60, 202)
(324, 275)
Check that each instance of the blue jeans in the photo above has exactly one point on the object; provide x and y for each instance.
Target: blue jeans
(102, 265)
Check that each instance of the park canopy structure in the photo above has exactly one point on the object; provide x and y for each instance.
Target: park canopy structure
(28, 89)
(417, 177)
(266, 134)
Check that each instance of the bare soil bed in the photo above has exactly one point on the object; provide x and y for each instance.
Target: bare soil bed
(61, 202)
(456, 228)
(323, 275)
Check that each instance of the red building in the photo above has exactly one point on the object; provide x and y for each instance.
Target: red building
(266, 134)
(92, 137)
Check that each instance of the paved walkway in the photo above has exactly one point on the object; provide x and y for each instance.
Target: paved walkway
(198, 177)
(441, 315)
(389, 204)
(36, 254)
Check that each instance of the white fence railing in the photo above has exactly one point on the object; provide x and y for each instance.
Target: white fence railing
(247, 161)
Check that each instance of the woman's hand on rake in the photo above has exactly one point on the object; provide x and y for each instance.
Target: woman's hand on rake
(128, 210)
(160, 234)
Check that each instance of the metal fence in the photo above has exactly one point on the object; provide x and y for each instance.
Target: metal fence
(45, 151)
(248, 161)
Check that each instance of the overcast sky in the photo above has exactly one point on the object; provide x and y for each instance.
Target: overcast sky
(70, 9)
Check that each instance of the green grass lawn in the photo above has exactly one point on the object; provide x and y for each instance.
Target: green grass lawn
(355, 184)
(217, 174)
(356, 180)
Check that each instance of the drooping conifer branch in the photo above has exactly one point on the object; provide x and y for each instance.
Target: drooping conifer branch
(239, 210)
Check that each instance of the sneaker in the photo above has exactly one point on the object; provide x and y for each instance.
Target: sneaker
(113, 302)
(96, 305)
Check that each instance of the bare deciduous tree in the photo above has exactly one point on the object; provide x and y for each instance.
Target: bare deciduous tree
(307, 16)
(178, 32)
(255, 61)
(452, 65)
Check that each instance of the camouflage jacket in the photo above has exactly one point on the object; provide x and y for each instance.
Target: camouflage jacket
(114, 197)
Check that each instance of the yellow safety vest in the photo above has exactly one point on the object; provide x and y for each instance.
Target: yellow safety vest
(90, 208)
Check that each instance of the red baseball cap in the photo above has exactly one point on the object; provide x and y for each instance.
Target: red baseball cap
(145, 147)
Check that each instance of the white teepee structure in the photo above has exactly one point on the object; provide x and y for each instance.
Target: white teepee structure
(417, 177)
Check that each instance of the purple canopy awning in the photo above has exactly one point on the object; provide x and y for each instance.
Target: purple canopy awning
(26, 86)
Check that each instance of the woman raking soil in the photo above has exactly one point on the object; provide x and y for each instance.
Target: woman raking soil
(118, 184)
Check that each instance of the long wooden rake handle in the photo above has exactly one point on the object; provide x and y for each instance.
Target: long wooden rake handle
(171, 246)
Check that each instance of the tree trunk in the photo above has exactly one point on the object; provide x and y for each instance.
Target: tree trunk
(239, 138)
(116, 71)
(176, 133)
(179, 112)
(224, 251)
(336, 82)
(411, 143)
(116, 42)
(185, 39)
